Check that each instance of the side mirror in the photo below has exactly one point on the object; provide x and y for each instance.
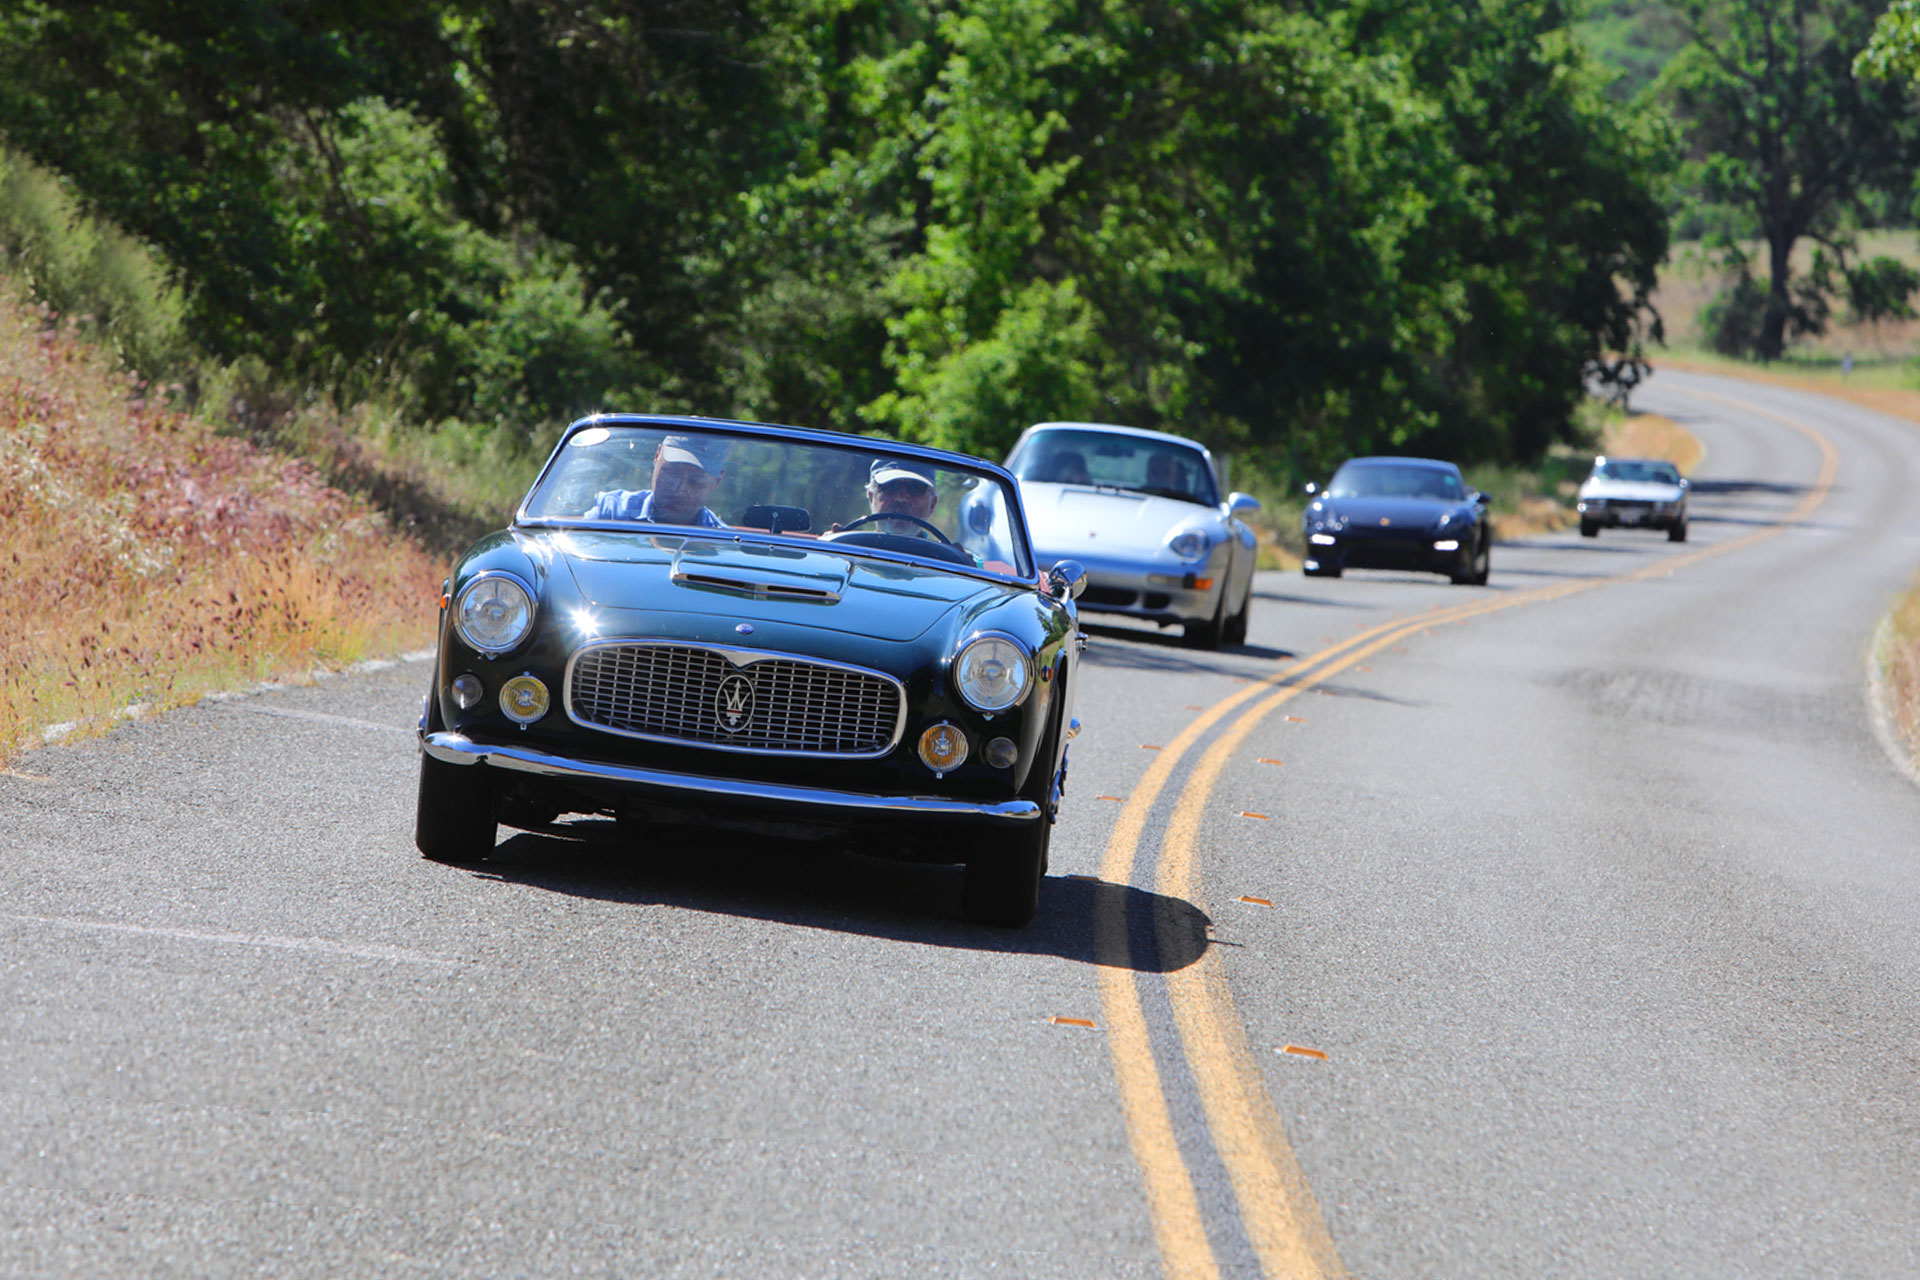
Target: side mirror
(1684, 484)
(1481, 498)
(1238, 502)
(1312, 488)
(1068, 579)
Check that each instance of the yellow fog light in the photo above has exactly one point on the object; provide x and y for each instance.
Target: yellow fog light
(943, 748)
(523, 699)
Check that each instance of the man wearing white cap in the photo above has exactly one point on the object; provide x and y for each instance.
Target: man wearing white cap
(686, 470)
(899, 486)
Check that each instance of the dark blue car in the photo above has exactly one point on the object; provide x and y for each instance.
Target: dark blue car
(725, 627)
(1398, 513)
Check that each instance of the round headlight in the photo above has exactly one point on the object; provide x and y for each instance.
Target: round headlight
(493, 614)
(1189, 544)
(993, 673)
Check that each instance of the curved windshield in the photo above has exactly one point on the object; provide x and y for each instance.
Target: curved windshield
(1637, 470)
(668, 476)
(1391, 480)
(1107, 458)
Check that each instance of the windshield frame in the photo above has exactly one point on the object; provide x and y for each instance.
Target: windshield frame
(524, 517)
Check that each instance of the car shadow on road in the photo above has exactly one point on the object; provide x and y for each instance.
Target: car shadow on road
(818, 887)
(1166, 651)
(1723, 488)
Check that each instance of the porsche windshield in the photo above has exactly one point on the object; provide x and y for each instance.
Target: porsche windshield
(673, 476)
(1066, 455)
(1377, 480)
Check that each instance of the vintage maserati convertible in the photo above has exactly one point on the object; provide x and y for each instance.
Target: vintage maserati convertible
(759, 629)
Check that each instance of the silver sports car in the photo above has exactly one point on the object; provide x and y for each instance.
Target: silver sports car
(1143, 511)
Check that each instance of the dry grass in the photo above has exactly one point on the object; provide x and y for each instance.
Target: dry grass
(1900, 671)
(1692, 278)
(147, 560)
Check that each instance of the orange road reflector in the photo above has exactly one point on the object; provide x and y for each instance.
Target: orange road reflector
(1248, 813)
(1303, 1051)
(1059, 1021)
(1193, 707)
(1257, 902)
(1115, 799)
(1268, 760)
(1295, 720)
(1363, 668)
(1148, 746)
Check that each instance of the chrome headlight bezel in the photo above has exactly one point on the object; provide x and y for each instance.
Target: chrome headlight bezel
(987, 659)
(500, 585)
(1190, 543)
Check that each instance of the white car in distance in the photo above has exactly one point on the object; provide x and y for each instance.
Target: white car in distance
(1637, 493)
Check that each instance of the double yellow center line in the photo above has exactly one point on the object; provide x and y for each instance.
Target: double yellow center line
(1282, 1220)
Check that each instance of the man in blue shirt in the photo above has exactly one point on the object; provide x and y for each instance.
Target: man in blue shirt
(686, 470)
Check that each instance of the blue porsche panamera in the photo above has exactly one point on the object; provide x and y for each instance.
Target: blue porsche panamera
(1398, 513)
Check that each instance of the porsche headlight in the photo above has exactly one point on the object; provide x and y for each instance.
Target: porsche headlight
(992, 672)
(1189, 544)
(494, 613)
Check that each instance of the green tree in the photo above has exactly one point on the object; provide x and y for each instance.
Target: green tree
(1782, 135)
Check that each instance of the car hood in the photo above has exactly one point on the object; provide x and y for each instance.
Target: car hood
(1070, 520)
(1631, 490)
(762, 582)
(1411, 513)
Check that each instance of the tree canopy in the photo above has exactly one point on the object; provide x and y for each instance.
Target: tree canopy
(1788, 142)
(1305, 229)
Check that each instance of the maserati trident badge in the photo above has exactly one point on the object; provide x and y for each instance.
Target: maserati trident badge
(733, 703)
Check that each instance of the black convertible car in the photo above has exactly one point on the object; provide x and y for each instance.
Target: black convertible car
(1398, 513)
(761, 629)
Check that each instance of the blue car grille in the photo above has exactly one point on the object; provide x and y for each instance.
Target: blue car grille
(734, 700)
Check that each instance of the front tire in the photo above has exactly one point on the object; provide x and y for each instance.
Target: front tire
(1236, 628)
(1677, 532)
(1208, 634)
(1588, 529)
(454, 821)
(1479, 563)
(1321, 571)
(1003, 885)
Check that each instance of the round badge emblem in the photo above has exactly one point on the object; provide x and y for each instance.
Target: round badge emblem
(733, 703)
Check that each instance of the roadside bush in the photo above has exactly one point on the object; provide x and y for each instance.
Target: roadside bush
(91, 272)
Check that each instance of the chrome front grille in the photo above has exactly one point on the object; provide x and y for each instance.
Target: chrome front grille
(736, 700)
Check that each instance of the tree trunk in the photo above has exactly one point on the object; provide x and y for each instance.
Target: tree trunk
(1773, 328)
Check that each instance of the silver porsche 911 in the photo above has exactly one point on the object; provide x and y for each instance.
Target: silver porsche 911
(1144, 512)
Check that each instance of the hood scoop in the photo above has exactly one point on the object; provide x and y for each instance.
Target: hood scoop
(767, 573)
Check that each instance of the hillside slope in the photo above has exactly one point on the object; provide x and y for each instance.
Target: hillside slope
(149, 560)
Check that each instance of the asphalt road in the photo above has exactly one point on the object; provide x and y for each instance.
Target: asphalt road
(1568, 926)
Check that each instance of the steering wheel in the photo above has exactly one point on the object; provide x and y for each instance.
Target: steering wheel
(878, 516)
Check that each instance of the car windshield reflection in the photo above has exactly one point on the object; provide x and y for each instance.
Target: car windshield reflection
(858, 500)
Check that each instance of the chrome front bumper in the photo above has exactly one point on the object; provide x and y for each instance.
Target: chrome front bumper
(457, 748)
